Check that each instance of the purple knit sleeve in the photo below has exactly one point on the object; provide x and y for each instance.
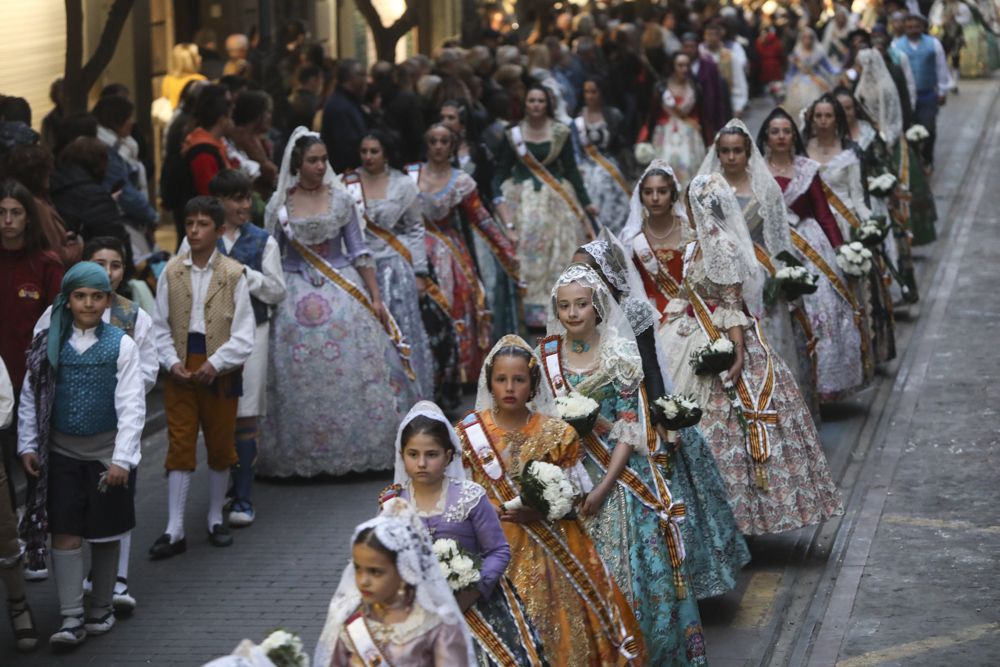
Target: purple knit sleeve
(492, 542)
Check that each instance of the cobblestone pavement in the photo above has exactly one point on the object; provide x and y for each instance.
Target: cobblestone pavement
(906, 577)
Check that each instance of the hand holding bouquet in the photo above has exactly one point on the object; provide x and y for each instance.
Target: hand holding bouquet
(854, 259)
(676, 411)
(459, 567)
(578, 411)
(714, 357)
(871, 233)
(545, 488)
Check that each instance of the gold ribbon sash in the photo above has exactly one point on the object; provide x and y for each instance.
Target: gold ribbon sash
(660, 500)
(653, 273)
(544, 175)
(365, 647)
(839, 205)
(356, 188)
(483, 317)
(756, 410)
(596, 156)
(338, 279)
(482, 453)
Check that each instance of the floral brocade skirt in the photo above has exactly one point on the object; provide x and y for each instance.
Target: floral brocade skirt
(548, 235)
(606, 193)
(398, 287)
(800, 490)
(337, 387)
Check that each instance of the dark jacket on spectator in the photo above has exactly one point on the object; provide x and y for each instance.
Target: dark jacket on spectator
(344, 125)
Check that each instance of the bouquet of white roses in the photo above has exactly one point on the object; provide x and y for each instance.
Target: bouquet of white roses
(284, 649)
(546, 488)
(644, 153)
(854, 259)
(871, 233)
(578, 411)
(796, 281)
(714, 357)
(917, 133)
(676, 411)
(881, 186)
(459, 567)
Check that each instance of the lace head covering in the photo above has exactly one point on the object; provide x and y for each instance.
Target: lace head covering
(726, 249)
(618, 359)
(543, 401)
(636, 216)
(813, 55)
(765, 189)
(619, 272)
(401, 531)
(287, 180)
(877, 94)
(430, 410)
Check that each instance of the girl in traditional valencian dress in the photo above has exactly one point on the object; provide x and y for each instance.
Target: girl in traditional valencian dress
(810, 73)
(630, 514)
(677, 134)
(330, 344)
(430, 476)
(827, 140)
(600, 130)
(784, 322)
(393, 607)
(843, 351)
(541, 199)
(447, 194)
(580, 613)
(763, 438)
(386, 200)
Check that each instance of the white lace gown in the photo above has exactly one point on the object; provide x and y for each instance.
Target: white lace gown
(677, 136)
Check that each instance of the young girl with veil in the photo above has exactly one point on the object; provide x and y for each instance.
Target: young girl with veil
(630, 513)
(786, 326)
(579, 611)
(843, 351)
(393, 606)
(429, 475)
(333, 342)
(755, 420)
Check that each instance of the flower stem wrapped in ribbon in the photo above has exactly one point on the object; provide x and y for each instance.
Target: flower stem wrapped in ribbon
(545, 487)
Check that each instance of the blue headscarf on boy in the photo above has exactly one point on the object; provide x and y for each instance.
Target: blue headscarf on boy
(81, 275)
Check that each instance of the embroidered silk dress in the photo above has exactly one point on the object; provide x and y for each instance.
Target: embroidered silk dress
(464, 514)
(630, 538)
(337, 385)
(568, 624)
(843, 357)
(608, 195)
(399, 216)
(842, 175)
(422, 640)
(548, 230)
(454, 216)
(677, 135)
(800, 489)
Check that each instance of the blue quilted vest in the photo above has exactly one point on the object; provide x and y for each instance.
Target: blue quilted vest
(922, 62)
(249, 251)
(85, 386)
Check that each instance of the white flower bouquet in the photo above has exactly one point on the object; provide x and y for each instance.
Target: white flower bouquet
(881, 186)
(644, 153)
(796, 281)
(284, 649)
(713, 357)
(676, 411)
(546, 488)
(917, 133)
(459, 567)
(854, 259)
(871, 233)
(578, 411)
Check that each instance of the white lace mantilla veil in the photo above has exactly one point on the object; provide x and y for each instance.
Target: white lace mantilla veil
(877, 94)
(287, 180)
(726, 249)
(633, 225)
(401, 531)
(618, 359)
(430, 410)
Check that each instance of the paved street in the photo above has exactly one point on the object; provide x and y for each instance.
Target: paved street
(906, 577)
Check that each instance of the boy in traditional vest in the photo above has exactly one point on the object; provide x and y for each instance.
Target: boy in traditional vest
(258, 252)
(108, 252)
(204, 334)
(81, 416)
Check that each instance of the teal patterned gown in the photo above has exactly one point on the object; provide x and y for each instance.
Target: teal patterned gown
(631, 542)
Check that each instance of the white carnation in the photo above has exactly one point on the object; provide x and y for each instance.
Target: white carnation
(644, 153)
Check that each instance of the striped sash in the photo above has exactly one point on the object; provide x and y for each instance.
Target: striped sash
(597, 157)
(539, 171)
